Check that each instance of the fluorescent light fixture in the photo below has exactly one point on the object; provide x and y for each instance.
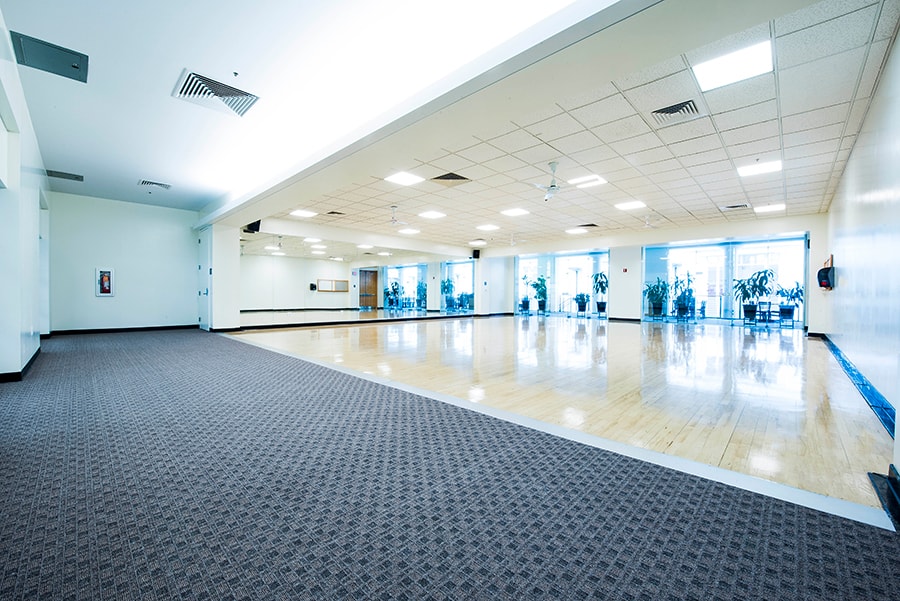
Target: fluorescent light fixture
(734, 66)
(630, 206)
(587, 181)
(303, 213)
(576, 230)
(404, 179)
(318, 252)
(488, 227)
(408, 230)
(384, 254)
(431, 215)
(319, 246)
(514, 212)
(336, 258)
(312, 239)
(365, 246)
(271, 247)
(759, 168)
(478, 242)
(277, 254)
(769, 208)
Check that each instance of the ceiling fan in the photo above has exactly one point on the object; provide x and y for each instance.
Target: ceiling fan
(394, 220)
(553, 188)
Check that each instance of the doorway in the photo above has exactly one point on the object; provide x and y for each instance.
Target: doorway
(368, 289)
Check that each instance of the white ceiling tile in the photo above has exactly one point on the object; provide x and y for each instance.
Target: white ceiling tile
(475, 172)
(593, 155)
(843, 155)
(576, 142)
(623, 128)
(514, 141)
(621, 174)
(872, 68)
(603, 111)
(763, 158)
(833, 78)
(755, 148)
(809, 136)
(712, 167)
(748, 115)
(480, 153)
(741, 94)
(695, 145)
(588, 96)
(816, 118)
(636, 144)
(504, 163)
(887, 24)
(664, 166)
(610, 165)
(816, 163)
(749, 133)
(796, 152)
(451, 163)
(816, 13)
(679, 132)
(729, 44)
(555, 127)
(543, 114)
(649, 156)
(719, 176)
(847, 142)
(537, 155)
(831, 37)
(664, 92)
(653, 73)
(700, 158)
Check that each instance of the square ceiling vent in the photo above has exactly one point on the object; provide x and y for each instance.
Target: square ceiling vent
(48, 57)
(213, 94)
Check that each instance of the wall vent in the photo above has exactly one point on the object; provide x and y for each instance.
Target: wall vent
(210, 93)
(147, 182)
(63, 175)
(677, 113)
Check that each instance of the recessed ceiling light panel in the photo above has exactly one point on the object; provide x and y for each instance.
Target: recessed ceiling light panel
(409, 231)
(769, 208)
(759, 168)
(364, 246)
(303, 213)
(734, 66)
(432, 215)
(404, 179)
(478, 242)
(587, 181)
(488, 227)
(576, 230)
(630, 206)
(515, 212)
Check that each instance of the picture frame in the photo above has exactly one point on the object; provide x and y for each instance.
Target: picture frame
(104, 282)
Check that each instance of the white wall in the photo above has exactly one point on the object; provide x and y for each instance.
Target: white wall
(626, 284)
(269, 282)
(494, 292)
(23, 180)
(152, 250)
(225, 282)
(865, 227)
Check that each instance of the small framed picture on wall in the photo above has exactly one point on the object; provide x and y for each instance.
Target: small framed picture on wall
(104, 282)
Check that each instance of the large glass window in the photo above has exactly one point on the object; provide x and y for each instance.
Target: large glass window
(458, 287)
(565, 276)
(406, 287)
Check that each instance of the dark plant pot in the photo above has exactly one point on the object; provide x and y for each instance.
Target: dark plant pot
(750, 312)
(681, 311)
(526, 304)
(582, 306)
(786, 312)
(656, 309)
(542, 305)
(601, 306)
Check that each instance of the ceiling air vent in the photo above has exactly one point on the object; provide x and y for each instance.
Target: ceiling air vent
(450, 179)
(734, 207)
(677, 113)
(588, 225)
(64, 175)
(336, 213)
(213, 94)
(147, 182)
(48, 57)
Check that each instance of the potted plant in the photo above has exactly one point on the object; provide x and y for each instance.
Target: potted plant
(581, 299)
(540, 292)
(526, 300)
(601, 285)
(684, 297)
(657, 296)
(793, 297)
(447, 287)
(392, 295)
(753, 288)
(421, 294)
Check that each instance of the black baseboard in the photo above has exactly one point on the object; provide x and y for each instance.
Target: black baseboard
(625, 319)
(118, 330)
(888, 490)
(17, 376)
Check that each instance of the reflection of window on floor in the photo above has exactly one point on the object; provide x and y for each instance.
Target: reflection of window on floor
(714, 267)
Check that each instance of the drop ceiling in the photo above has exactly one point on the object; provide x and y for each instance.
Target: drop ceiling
(584, 99)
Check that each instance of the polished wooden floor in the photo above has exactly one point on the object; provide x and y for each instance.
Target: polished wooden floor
(769, 403)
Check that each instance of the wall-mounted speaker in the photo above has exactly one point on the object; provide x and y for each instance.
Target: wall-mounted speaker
(252, 227)
(312, 287)
(825, 277)
(476, 254)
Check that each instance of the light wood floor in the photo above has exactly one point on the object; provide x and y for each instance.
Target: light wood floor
(767, 403)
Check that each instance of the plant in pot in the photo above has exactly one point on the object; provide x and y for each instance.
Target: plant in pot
(657, 295)
(793, 298)
(421, 294)
(540, 292)
(447, 287)
(753, 288)
(581, 299)
(601, 285)
(526, 300)
(684, 297)
(392, 295)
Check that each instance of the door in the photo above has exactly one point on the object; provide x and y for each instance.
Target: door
(368, 289)
(204, 273)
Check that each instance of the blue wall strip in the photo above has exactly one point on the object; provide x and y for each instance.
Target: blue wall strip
(880, 405)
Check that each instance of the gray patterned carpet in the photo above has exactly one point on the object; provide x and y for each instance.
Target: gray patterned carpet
(184, 465)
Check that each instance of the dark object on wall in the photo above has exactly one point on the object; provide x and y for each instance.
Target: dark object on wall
(312, 287)
(476, 254)
(252, 227)
(825, 278)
